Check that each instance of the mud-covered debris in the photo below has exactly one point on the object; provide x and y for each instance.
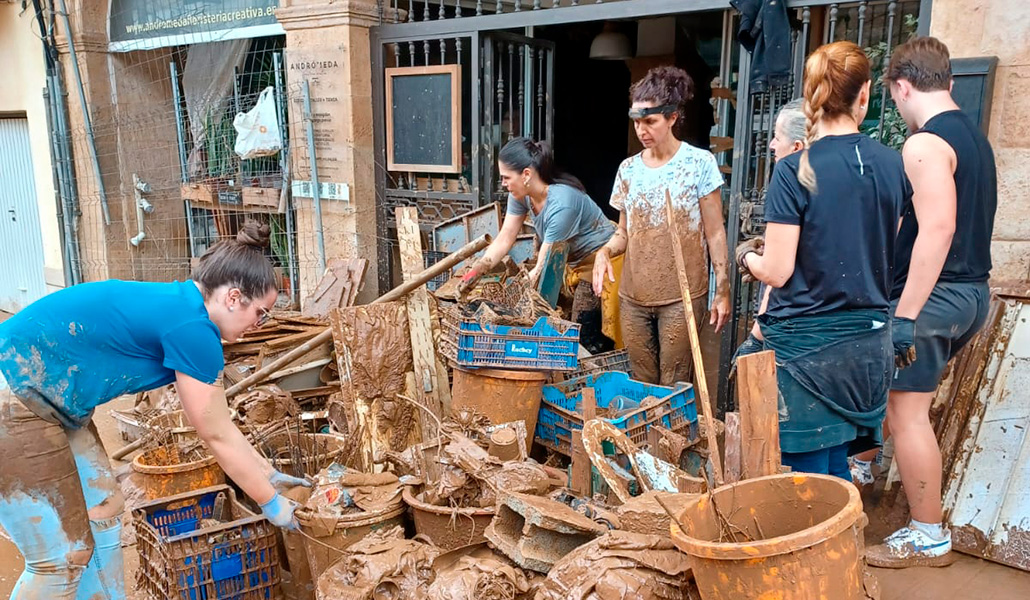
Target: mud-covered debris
(476, 573)
(338, 490)
(643, 514)
(535, 532)
(381, 565)
(265, 404)
(621, 565)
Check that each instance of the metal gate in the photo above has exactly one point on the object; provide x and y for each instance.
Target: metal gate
(21, 243)
(508, 81)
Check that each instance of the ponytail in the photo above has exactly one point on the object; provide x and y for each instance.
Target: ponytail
(523, 153)
(834, 76)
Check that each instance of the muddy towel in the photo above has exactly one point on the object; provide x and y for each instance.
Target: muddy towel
(381, 565)
(621, 566)
(834, 372)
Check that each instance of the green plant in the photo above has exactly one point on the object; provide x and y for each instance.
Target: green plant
(883, 121)
(278, 239)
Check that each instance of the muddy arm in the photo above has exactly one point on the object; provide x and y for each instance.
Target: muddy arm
(206, 408)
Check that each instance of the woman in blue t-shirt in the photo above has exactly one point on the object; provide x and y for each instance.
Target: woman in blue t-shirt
(832, 214)
(561, 212)
(80, 347)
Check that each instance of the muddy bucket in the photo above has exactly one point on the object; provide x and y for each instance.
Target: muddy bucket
(300, 454)
(162, 474)
(327, 547)
(503, 396)
(795, 536)
(447, 527)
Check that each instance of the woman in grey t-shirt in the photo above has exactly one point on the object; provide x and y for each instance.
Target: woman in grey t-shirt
(561, 212)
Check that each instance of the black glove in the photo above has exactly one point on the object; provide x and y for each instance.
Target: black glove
(903, 332)
(751, 345)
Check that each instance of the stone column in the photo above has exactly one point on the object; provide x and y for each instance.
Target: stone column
(327, 43)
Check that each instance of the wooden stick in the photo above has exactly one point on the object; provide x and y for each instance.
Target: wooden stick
(398, 292)
(758, 394)
(733, 447)
(695, 342)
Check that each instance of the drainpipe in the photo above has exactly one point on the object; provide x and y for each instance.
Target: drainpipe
(90, 139)
(142, 207)
(64, 189)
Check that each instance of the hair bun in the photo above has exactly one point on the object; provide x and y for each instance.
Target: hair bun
(254, 233)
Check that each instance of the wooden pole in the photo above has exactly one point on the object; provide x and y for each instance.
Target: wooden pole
(758, 395)
(423, 351)
(695, 343)
(398, 292)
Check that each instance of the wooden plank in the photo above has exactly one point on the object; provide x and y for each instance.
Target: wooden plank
(732, 446)
(589, 405)
(420, 325)
(695, 343)
(759, 418)
(579, 481)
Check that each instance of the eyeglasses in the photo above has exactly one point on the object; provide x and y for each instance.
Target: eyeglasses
(264, 317)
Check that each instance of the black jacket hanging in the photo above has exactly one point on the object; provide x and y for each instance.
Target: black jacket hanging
(765, 33)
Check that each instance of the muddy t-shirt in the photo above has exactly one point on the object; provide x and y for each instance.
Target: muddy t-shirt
(649, 274)
(79, 347)
(568, 215)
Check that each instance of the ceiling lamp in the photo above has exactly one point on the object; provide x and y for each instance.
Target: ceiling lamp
(611, 44)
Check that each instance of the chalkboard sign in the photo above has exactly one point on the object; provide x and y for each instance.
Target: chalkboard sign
(423, 119)
(973, 87)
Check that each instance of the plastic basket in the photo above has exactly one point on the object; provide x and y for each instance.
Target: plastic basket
(430, 258)
(616, 360)
(549, 345)
(561, 408)
(180, 559)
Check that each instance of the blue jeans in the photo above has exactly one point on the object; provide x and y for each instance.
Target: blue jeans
(50, 480)
(828, 461)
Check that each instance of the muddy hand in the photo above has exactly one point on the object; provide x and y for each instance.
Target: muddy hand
(756, 245)
(602, 269)
(279, 510)
(283, 482)
(720, 311)
(903, 333)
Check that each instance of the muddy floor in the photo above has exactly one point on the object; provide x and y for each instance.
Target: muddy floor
(967, 578)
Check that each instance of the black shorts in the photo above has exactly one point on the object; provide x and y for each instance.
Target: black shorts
(953, 314)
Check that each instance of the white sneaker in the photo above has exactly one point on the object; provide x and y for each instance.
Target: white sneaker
(861, 472)
(910, 547)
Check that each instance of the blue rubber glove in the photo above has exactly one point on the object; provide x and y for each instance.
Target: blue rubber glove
(283, 482)
(279, 510)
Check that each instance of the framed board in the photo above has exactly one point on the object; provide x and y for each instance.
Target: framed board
(423, 119)
(973, 87)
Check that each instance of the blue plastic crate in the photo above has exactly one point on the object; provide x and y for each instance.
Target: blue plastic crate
(562, 405)
(549, 345)
(236, 559)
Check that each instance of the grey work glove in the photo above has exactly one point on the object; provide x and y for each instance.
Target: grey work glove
(283, 482)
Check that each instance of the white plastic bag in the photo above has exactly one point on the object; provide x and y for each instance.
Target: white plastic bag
(257, 131)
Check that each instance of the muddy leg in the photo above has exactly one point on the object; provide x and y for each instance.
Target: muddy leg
(641, 339)
(104, 578)
(41, 503)
(675, 359)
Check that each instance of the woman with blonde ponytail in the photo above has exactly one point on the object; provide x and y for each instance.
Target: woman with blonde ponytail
(832, 213)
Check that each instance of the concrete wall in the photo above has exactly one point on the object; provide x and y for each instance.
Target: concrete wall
(21, 93)
(1000, 28)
